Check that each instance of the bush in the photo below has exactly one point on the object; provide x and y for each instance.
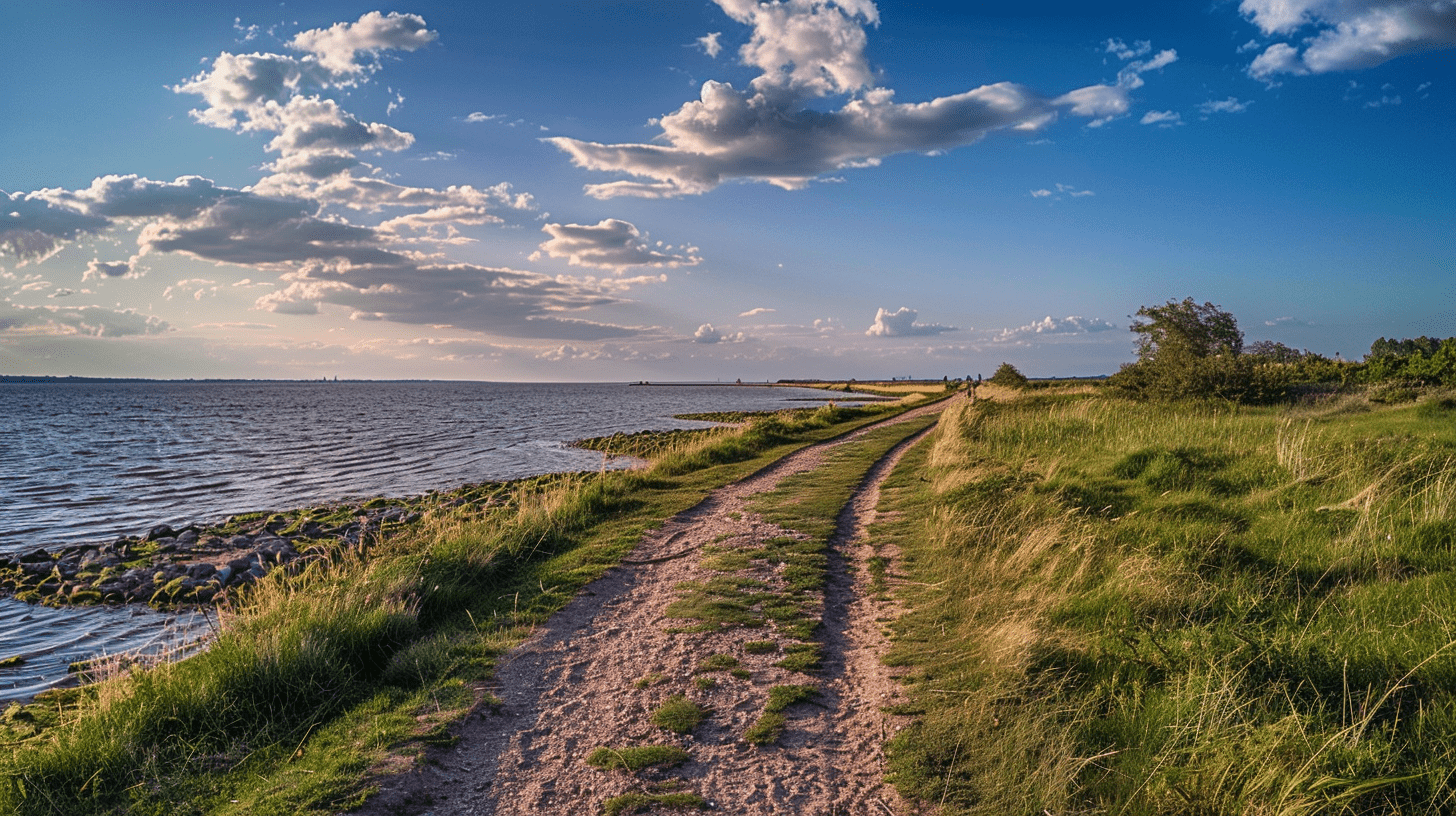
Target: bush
(1007, 375)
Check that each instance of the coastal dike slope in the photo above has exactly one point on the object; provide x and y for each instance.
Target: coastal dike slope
(730, 662)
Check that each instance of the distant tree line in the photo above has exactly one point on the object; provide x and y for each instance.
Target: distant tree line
(1192, 351)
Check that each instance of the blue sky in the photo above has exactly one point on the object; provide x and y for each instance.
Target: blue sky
(591, 190)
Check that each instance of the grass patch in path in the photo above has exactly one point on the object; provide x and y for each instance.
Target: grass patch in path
(679, 714)
(637, 802)
(766, 730)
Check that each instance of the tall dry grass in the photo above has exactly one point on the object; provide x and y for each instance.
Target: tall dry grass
(1139, 609)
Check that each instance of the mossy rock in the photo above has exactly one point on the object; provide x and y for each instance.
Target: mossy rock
(168, 592)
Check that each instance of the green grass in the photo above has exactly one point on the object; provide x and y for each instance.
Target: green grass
(636, 802)
(679, 714)
(766, 730)
(781, 697)
(1125, 608)
(325, 675)
(770, 725)
(649, 679)
(636, 758)
(716, 662)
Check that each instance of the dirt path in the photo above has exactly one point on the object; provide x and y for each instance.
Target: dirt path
(593, 675)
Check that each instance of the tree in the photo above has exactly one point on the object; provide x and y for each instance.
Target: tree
(1188, 351)
(1008, 376)
(1184, 328)
(1271, 351)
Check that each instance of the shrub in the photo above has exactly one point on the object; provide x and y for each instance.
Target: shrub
(1007, 375)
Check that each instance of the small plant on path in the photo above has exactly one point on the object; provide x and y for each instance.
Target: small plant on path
(679, 714)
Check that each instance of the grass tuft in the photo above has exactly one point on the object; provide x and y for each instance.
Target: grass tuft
(636, 802)
(679, 714)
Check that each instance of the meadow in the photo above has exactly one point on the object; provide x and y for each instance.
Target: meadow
(1147, 608)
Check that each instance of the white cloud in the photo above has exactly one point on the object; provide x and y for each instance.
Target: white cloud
(807, 49)
(279, 93)
(707, 335)
(119, 270)
(611, 244)
(1048, 326)
(1163, 119)
(1121, 50)
(338, 47)
(1279, 58)
(1230, 105)
(710, 45)
(237, 325)
(482, 299)
(1287, 321)
(95, 321)
(32, 229)
(901, 323)
(756, 312)
(482, 117)
(1061, 190)
(1347, 34)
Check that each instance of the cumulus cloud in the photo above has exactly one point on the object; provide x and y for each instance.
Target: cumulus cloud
(338, 47)
(32, 229)
(1103, 103)
(1343, 35)
(1051, 326)
(323, 260)
(611, 244)
(755, 312)
(1163, 119)
(281, 93)
(811, 49)
(707, 335)
(901, 323)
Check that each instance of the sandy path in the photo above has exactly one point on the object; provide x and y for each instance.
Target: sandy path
(578, 683)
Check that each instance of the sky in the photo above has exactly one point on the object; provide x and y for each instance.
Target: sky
(620, 190)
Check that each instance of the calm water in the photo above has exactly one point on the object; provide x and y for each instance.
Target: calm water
(91, 461)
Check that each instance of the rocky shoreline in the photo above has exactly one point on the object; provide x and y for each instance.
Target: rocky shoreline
(200, 564)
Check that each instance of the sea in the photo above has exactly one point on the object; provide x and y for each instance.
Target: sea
(90, 461)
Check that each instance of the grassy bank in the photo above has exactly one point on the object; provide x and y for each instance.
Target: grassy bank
(1142, 609)
(350, 668)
